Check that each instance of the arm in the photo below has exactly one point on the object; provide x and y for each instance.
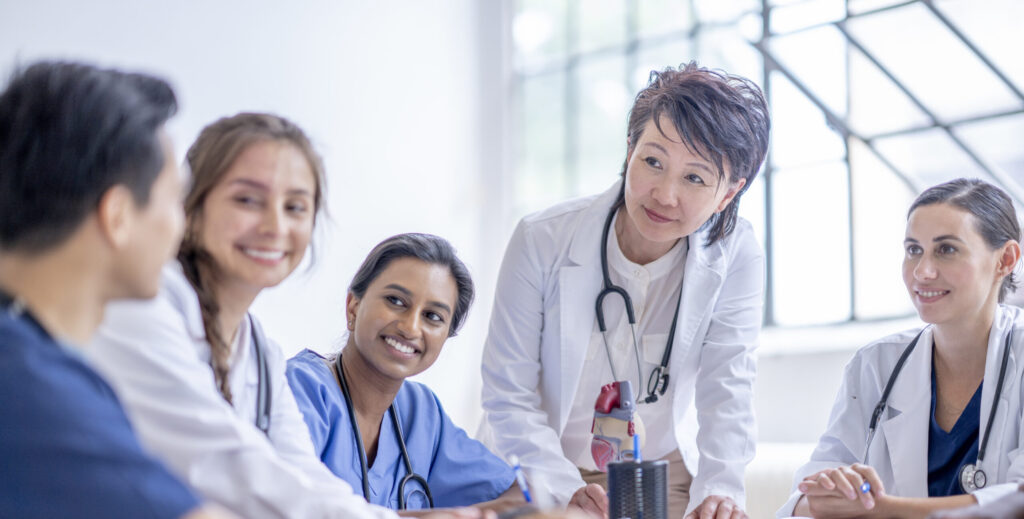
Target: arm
(512, 368)
(725, 378)
(145, 349)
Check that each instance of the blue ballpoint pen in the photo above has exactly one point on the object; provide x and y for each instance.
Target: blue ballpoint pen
(520, 478)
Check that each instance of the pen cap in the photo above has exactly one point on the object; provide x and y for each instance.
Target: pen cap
(638, 490)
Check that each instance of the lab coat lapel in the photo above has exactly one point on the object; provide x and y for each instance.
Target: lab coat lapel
(906, 433)
(993, 362)
(579, 282)
(702, 278)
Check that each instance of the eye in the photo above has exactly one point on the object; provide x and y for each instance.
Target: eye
(395, 300)
(435, 317)
(653, 162)
(946, 249)
(296, 207)
(694, 178)
(913, 250)
(247, 200)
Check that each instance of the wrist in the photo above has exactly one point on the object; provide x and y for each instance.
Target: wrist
(887, 506)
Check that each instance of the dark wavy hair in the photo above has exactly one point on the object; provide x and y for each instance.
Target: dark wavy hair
(424, 247)
(996, 218)
(723, 118)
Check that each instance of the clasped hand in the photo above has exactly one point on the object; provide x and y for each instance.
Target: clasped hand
(836, 492)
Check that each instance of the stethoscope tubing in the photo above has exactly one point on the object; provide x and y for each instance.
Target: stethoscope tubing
(883, 401)
(393, 412)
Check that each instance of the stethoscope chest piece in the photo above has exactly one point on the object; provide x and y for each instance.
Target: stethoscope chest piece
(972, 478)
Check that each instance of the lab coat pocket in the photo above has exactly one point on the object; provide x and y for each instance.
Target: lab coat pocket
(653, 349)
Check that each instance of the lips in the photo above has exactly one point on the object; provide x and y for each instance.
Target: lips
(267, 256)
(930, 295)
(656, 217)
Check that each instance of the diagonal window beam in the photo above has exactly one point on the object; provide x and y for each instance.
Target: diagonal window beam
(834, 120)
(930, 4)
(994, 172)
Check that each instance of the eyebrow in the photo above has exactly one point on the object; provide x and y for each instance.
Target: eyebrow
(260, 185)
(944, 237)
(697, 164)
(400, 288)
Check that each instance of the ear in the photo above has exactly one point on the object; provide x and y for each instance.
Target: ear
(351, 309)
(115, 215)
(729, 195)
(1008, 258)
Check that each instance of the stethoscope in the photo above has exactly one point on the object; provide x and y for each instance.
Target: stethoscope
(409, 474)
(971, 476)
(657, 382)
(263, 386)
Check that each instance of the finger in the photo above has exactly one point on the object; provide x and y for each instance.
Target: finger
(708, 508)
(868, 473)
(843, 484)
(738, 513)
(825, 481)
(857, 482)
(725, 508)
(597, 494)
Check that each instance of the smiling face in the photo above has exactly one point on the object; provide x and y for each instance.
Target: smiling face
(400, 324)
(951, 273)
(670, 191)
(257, 221)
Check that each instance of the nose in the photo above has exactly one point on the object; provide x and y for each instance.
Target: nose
(409, 324)
(925, 268)
(273, 221)
(665, 191)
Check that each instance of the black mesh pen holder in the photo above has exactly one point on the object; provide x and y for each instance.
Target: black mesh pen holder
(638, 490)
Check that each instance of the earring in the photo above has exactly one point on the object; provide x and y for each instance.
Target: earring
(351, 324)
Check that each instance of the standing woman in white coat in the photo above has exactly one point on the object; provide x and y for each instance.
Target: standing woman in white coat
(204, 388)
(948, 434)
(671, 239)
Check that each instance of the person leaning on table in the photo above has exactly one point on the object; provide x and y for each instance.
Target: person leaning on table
(959, 390)
(695, 140)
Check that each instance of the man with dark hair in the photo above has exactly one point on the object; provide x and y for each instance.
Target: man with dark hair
(90, 209)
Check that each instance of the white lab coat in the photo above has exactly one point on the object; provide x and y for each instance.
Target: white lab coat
(899, 450)
(155, 355)
(542, 323)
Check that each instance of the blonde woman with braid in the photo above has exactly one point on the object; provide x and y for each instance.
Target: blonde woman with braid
(204, 388)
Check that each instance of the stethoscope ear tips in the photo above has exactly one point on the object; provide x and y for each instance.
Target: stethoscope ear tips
(652, 398)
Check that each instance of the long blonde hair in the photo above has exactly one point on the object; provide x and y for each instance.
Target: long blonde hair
(209, 158)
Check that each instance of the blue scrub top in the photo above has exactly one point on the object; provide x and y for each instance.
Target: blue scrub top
(947, 452)
(459, 469)
(66, 447)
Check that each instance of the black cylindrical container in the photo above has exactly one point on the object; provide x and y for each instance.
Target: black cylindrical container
(638, 490)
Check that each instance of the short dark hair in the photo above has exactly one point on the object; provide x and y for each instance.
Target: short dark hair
(992, 208)
(68, 133)
(424, 247)
(721, 117)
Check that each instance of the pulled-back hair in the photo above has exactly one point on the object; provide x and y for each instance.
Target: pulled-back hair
(210, 158)
(68, 133)
(424, 247)
(722, 118)
(996, 218)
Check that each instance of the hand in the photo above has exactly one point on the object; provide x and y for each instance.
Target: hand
(717, 507)
(836, 492)
(592, 499)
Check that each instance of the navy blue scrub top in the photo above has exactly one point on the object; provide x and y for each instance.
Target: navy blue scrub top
(66, 446)
(947, 452)
(460, 470)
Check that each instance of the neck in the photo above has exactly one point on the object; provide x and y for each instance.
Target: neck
(964, 345)
(371, 393)
(233, 303)
(634, 246)
(61, 289)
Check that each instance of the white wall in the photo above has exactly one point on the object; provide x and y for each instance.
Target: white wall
(389, 91)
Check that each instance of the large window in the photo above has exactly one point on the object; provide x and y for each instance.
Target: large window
(872, 101)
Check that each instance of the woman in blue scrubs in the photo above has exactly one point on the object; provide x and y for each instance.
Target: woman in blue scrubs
(931, 419)
(383, 434)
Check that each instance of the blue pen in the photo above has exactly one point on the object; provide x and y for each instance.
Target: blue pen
(520, 478)
(636, 448)
(865, 487)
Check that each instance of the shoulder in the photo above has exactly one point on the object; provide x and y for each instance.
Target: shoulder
(418, 396)
(877, 359)
(739, 246)
(308, 366)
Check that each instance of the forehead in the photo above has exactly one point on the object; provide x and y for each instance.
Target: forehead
(929, 221)
(420, 277)
(276, 164)
(669, 137)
